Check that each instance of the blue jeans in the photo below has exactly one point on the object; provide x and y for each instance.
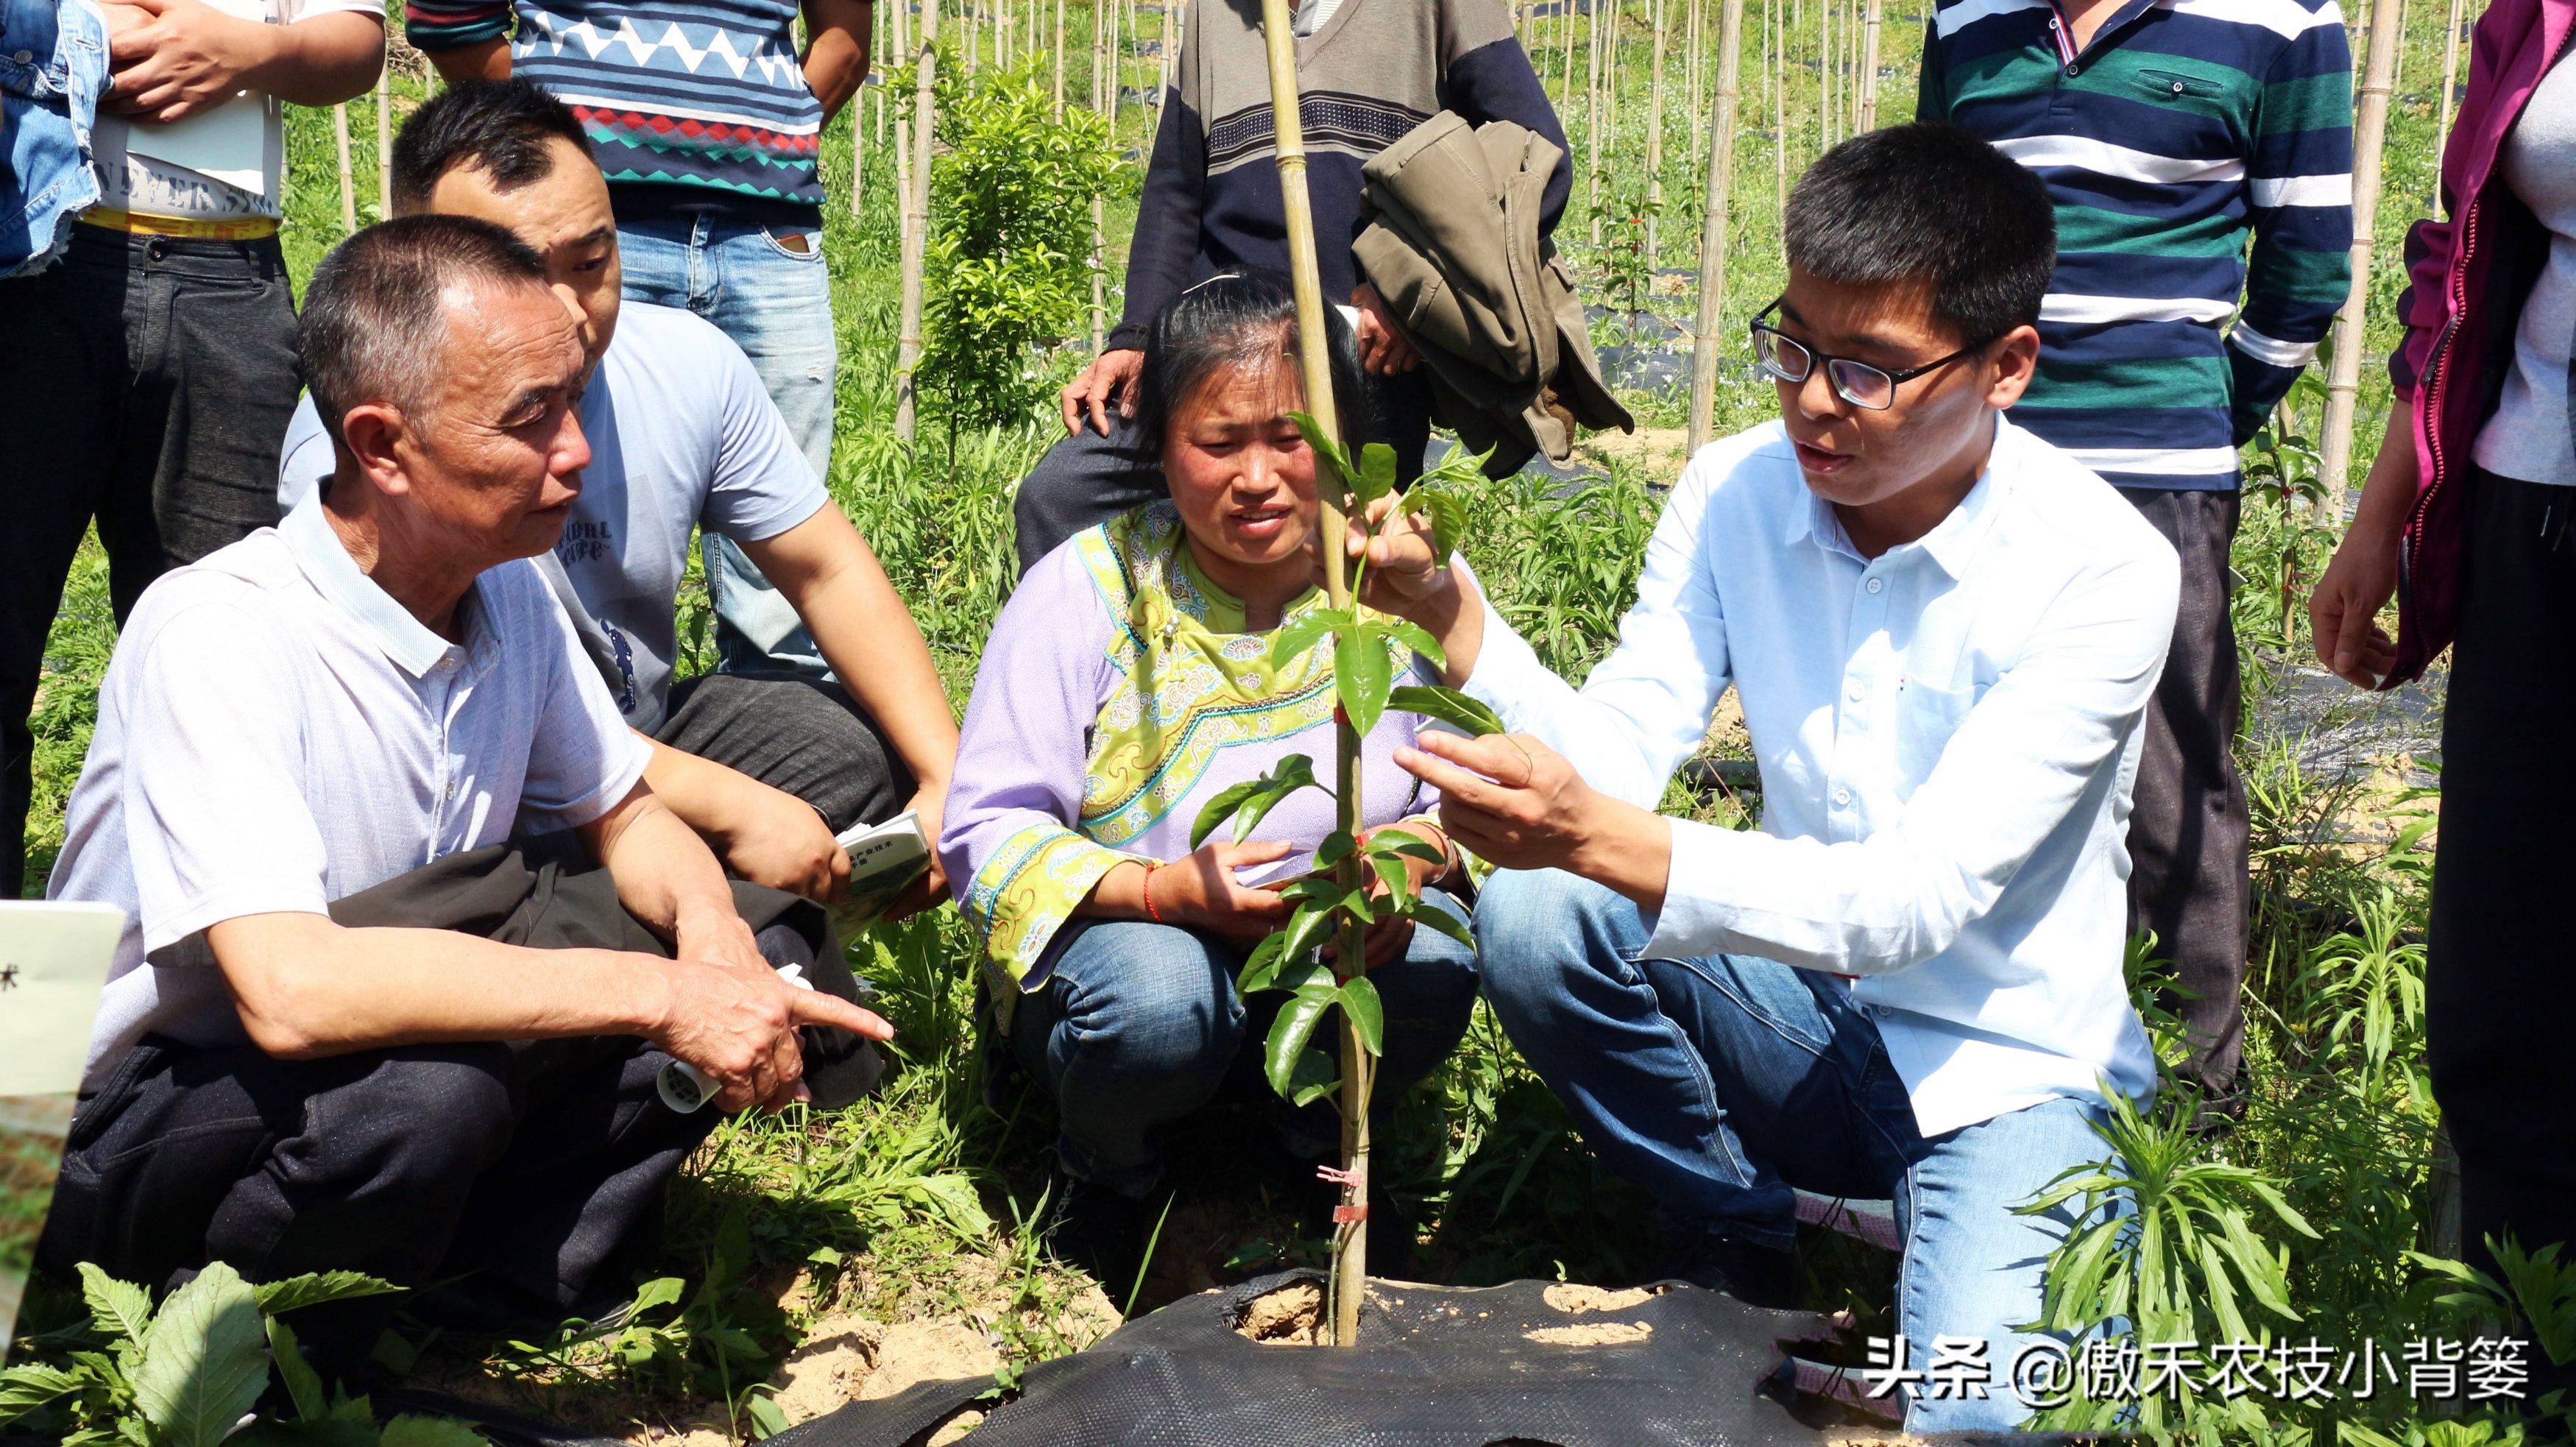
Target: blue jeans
(776, 304)
(1722, 1084)
(1139, 1026)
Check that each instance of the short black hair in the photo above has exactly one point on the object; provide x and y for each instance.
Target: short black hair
(374, 323)
(1231, 320)
(1931, 204)
(499, 127)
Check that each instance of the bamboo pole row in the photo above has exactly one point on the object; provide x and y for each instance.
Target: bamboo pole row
(2369, 132)
(907, 358)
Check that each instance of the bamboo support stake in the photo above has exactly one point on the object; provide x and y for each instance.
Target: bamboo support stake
(1712, 239)
(384, 145)
(1869, 24)
(1698, 73)
(1104, 90)
(1350, 1258)
(1599, 159)
(858, 152)
(916, 237)
(2369, 134)
(1058, 92)
(2397, 71)
(2450, 73)
(348, 181)
(1779, 114)
(1655, 139)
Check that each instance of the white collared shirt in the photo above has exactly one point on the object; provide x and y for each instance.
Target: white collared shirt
(275, 732)
(1947, 736)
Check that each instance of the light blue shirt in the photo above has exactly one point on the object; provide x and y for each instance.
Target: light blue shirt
(1947, 735)
(682, 435)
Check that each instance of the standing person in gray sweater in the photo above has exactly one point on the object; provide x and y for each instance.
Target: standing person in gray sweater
(1368, 71)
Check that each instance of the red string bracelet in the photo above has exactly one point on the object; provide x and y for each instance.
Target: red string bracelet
(1152, 913)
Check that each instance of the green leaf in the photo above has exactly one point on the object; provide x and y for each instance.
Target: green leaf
(1361, 1006)
(1337, 846)
(25, 1388)
(1449, 706)
(1293, 639)
(1362, 674)
(768, 1419)
(1397, 879)
(1445, 922)
(1414, 636)
(1328, 448)
(1377, 474)
(1313, 1078)
(1261, 967)
(1289, 1035)
(205, 1360)
(1251, 801)
(1405, 843)
(319, 1288)
(303, 1387)
(660, 1291)
(1310, 926)
(1447, 511)
(410, 1431)
(116, 1307)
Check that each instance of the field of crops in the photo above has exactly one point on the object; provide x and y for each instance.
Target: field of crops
(812, 1257)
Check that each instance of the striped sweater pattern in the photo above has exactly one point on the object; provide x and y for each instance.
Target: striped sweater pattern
(704, 93)
(2199, 154)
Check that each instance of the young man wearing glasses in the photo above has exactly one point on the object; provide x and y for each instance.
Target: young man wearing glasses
(1944, 633)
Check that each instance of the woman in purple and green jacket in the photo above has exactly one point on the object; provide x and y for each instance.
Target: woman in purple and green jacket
(2468, 509)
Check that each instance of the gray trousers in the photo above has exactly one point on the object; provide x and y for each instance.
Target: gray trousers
(807, 737)
(2188, 830)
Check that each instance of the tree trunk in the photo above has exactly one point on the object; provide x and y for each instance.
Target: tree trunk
(348, 179)
(1655, 138)
(1869, 65)
(1712, 238)
(1350, 1254)
(2369, 133)
(916, 239)
(2450, 73)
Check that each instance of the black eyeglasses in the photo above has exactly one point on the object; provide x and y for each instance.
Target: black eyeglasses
(1858, 383)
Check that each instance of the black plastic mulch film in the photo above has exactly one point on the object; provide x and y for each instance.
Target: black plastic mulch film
(1436, 1367)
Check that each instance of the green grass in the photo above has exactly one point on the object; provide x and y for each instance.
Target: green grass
(904, 1207)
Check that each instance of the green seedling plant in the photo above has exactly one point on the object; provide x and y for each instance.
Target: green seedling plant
(1357, 881)
(191, 1371)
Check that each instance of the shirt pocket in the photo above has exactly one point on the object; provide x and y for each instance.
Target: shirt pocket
(2181, 87)
(1927, 716)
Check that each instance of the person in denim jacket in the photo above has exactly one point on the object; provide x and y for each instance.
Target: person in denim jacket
(155, 361)
(48, 103)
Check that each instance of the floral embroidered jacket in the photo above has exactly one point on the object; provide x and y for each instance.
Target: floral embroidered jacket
(1118, 694)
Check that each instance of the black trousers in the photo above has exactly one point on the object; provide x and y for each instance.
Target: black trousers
(147, 383)
(526, 1163)
(2189, 833)
(2502, 979)
(1087, 479)
(805, 736)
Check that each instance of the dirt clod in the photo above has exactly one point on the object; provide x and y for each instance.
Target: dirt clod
(1592, 1334)
(1575, 1300)
(1292, 1316)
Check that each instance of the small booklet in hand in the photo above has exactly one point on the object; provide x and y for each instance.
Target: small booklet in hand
(885, 860)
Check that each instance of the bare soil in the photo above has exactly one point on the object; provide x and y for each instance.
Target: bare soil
(1592, 1334)
(1575, 1300)
(1292, 1316)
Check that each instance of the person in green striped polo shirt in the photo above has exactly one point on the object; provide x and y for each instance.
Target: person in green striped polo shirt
(2199, 155)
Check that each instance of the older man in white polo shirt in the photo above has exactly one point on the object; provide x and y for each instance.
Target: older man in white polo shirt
(381, 682)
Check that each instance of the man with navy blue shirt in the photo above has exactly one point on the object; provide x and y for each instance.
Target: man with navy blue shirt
(1944, 632)
(2197, 153)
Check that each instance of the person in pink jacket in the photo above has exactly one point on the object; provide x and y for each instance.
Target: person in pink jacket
(2467, 511)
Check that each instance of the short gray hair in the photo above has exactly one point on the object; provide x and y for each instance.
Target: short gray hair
(374, 325)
